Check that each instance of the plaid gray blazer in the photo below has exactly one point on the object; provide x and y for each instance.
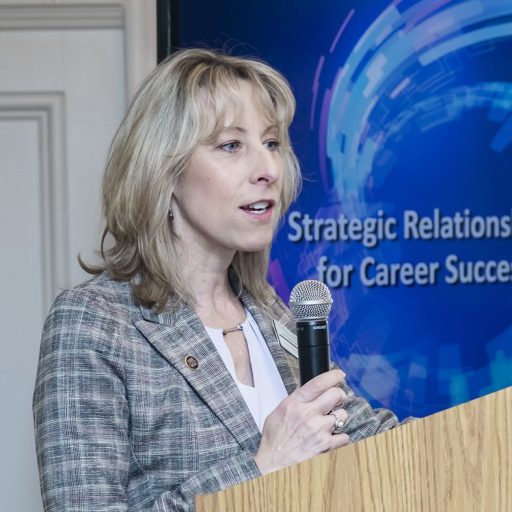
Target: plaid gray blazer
(122, 423)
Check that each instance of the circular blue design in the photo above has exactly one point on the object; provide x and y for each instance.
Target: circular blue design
(418, 119)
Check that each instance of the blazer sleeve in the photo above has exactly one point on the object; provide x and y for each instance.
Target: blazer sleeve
(81, 419)
(363, 420)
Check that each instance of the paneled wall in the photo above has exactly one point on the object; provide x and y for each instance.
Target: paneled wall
(67, 70)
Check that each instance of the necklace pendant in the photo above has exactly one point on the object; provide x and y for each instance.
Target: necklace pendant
(237, 327)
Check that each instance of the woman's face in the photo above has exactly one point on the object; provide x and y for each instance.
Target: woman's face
(228, 196)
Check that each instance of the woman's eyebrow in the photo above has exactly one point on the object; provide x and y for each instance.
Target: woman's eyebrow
(241, 129)
(270, 128)
(233, 129)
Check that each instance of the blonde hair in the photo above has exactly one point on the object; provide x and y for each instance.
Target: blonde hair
(163, 125)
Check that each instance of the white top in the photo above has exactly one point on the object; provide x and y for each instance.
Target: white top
(268, 391)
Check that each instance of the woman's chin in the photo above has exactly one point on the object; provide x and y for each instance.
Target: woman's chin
(255, 246)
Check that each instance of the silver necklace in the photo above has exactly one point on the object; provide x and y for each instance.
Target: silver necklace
(237, 327)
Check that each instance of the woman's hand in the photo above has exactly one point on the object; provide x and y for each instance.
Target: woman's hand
(301, 427)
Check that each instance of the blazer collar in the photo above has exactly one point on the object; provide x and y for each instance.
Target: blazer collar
(178, 333)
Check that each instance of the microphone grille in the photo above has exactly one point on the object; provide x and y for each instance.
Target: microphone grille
(310, 300)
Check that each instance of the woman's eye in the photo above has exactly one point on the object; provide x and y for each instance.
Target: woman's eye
(230, 146)
(272, 145)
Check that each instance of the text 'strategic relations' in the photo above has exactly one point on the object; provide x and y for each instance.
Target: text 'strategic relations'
(372, 231)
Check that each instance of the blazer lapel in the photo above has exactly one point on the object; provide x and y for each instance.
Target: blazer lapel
(179, 335)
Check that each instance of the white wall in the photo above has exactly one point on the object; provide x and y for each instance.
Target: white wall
(67, 70)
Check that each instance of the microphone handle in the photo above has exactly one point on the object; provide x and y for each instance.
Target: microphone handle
(313, 347)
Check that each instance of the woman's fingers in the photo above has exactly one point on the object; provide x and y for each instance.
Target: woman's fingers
(319, 385)
(338, 440)
(331, 399)
(338, 418)
(302, 425)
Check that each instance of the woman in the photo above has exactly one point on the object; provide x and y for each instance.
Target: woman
(161, 378)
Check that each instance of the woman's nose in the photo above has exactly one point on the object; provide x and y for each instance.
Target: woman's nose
(267, 166)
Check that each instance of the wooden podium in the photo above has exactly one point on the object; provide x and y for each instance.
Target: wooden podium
(457, 460)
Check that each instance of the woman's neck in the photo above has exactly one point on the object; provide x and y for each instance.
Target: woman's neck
(207, 278)
(216, 303)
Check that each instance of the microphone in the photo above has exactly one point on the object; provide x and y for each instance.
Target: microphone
(310, 304)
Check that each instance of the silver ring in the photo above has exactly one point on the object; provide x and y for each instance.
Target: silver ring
(338, 424)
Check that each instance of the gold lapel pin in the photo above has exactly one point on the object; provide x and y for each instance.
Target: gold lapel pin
(191, 362)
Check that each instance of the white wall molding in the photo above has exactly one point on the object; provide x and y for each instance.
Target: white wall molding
(67, 69)
(48, 110)
(136, 17)
(61, 16)
(140, 41)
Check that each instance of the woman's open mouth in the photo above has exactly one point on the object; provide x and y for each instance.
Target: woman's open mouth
(259, 207)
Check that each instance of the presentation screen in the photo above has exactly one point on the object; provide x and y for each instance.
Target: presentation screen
(403, 130)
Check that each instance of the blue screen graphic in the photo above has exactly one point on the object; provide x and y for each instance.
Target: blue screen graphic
(404, 131)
